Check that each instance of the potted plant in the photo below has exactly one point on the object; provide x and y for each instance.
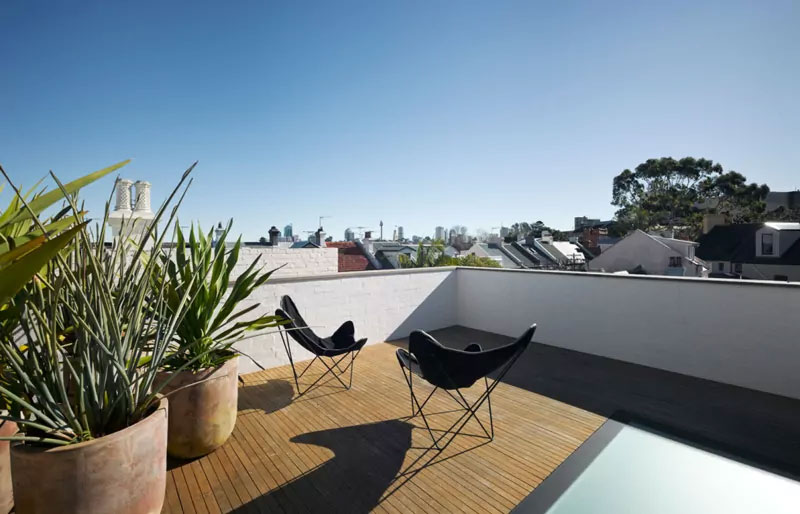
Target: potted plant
(202, 367)
(27, 243)
(83, 363)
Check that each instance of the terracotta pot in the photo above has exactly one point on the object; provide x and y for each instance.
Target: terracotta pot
(7, 428)
(202, 416)
(124, 472)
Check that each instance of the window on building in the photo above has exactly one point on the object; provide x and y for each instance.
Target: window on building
(767, 247)
(720, 266)
(737, 268)
(675, 262)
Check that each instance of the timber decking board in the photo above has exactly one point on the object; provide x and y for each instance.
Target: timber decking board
(358, 450)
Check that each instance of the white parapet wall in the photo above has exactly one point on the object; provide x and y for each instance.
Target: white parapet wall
(743, 333)
(296, 262)
(384, 305)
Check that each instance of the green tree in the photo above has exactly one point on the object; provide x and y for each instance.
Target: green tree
(478, 262)
(428, 256)
(670, 193)
(536, 229)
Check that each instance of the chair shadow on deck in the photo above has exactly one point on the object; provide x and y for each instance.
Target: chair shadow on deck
(366, 461)
(758, 428)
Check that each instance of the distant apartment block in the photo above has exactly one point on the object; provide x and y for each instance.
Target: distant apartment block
(758, 251)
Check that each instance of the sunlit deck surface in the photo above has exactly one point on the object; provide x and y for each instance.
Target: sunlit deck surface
(355, 451)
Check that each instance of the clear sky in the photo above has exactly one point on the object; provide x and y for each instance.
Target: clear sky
(417, 113)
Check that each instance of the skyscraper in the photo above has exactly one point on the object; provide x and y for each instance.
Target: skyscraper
(287, 230)
(439, 233)
(349, 235)
(400, 233)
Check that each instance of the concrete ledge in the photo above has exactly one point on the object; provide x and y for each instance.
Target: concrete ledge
(726, 281)
(358, 274)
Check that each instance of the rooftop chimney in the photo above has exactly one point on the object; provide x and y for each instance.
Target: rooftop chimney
(274, 233)
(123, 194)
(712, 220)
(321, 237)
(142, 203)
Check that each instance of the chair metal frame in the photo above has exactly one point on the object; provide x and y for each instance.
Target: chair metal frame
(330, 369)
(470, 410)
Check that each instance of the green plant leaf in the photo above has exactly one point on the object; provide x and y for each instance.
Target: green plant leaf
(15, 275)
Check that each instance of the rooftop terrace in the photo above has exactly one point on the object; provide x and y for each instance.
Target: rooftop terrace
(710, 361)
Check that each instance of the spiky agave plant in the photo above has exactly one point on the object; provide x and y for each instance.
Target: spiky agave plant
(91, 336)
(210, 325)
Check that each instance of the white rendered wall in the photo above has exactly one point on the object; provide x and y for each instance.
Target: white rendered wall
(738, 332)
(384, 305)
(299, 262)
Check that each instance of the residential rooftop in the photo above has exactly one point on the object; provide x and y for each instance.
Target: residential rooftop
(706, 364)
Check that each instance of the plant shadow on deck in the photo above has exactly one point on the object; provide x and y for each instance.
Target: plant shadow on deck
(366, 460)
(269, 396)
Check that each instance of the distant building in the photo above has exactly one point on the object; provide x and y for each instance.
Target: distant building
(508, 255)
(304, 244)
(287, 231)
(759, 251)
(415, 239)
(352, 257)
(582, 222)
(505, 232)
(645, 254)
(400, 236)
(349, 235)
(787, 200)
(438, 233)
(387, 254)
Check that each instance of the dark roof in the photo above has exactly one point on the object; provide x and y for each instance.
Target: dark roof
(524, 256)
(726, 242)
(736, 243)
(304, 244)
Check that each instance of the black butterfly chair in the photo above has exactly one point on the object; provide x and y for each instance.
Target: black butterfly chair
(336, 347)
(451, 370)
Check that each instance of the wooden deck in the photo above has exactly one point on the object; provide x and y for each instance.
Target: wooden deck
(354, 451)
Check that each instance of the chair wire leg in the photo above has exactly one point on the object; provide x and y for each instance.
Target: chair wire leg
(418, 409)
(288, 348)
(489, 401)
(476, 414)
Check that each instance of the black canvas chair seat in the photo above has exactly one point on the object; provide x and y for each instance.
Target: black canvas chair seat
(451, 369)
(340, 344)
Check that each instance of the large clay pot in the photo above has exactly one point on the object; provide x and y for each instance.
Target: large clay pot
(124, 472)
(7, 428)
(201, 416)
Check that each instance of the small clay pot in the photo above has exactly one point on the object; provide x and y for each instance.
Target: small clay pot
(201, 416)
(124, 472)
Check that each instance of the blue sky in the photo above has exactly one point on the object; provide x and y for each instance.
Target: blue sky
(416, 113)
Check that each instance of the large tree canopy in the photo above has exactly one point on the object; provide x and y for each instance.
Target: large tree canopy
(524, 229)
(675, 193)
